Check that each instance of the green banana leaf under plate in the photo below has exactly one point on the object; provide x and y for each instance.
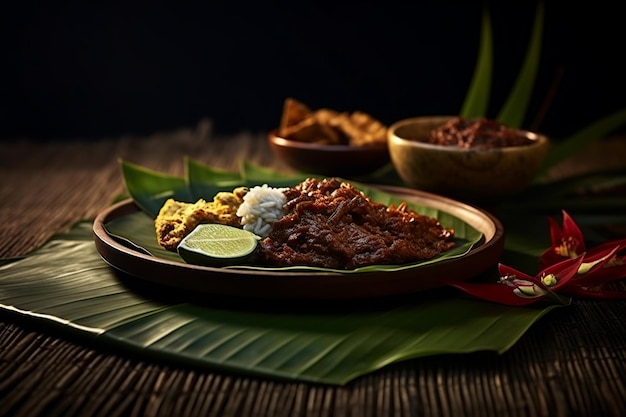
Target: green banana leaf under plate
(329, 338)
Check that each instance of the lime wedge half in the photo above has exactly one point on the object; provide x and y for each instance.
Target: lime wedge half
(217, 244)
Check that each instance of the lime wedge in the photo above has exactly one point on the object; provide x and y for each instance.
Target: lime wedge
(217, 244)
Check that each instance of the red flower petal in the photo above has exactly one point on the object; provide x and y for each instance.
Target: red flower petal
(556, 234)
(506, 270)
(572, 231)
(620, 243)
(606, 268)
(564, 271)
(494, 292)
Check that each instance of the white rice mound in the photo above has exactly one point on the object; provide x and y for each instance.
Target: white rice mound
(262, 207)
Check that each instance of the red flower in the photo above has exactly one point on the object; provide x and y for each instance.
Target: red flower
(601, 265)
(567, 267)
(516, 288)
(567, 242)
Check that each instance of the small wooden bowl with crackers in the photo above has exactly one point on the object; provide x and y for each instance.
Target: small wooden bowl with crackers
(328, 142)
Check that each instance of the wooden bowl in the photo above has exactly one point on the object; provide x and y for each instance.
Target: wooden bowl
(329, 160)
(460, 172)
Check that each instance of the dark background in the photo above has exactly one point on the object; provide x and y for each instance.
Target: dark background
(79, 70)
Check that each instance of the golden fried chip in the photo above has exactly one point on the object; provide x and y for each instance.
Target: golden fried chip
(330, 127)
(294, 112)
(364, 130)
(311, 130)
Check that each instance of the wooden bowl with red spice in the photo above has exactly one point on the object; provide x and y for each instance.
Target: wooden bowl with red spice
(465, 158)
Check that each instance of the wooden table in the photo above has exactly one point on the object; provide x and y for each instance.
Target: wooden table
(570, 363)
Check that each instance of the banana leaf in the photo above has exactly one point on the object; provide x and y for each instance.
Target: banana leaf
(514, 109)
(198, 176)
(153, 187)
(138, 230)
(593, 192)
(570, 146)
(66, 284)
(477, 98)
(150, 189)
(203, 181)
(512, 113)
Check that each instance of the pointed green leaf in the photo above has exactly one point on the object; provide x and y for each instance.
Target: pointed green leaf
(477, 98)
(253, 174)
(205, 181)
(66, 283)
(597, 130)
(515, 108)
(198, 172)
(569, 194)
(150, 189)
(137, 230)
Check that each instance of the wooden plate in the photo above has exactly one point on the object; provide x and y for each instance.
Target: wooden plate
(309, 284)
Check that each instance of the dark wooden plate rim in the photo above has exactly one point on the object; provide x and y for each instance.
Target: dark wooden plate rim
(305, 284)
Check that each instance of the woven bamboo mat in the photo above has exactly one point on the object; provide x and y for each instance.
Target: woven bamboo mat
(47, 186)
(572, 362)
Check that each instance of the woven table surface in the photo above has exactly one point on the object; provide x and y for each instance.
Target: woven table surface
(571, 363)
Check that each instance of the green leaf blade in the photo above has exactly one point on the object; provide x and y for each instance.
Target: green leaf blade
(595, 131)
(321, 345)
(477, 97)
(253, 174)
(205, 181)
(514, 110)
(150, 189)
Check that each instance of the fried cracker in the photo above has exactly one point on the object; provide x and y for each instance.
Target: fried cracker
(294, 112)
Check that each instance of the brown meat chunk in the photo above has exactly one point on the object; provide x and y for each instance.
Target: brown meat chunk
(330, 224)
(480, 133)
